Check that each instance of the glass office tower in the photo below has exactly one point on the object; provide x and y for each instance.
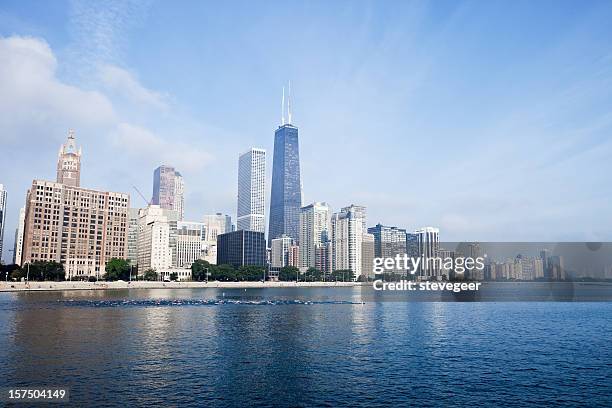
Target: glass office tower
(286, 196)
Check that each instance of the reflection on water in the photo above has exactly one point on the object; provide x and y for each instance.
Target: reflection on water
(316, 346)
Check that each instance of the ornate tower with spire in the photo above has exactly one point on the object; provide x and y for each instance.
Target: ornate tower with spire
(69, 162)
(286, 194)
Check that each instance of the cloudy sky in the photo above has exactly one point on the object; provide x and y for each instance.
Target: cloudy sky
(491, 120)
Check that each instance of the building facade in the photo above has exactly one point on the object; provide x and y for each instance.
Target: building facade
(286, 193)
(157, 230)
(428, 245)
(190, 243)
(169, 190)
(132, 242)
(347, 230)
(251, 190)
(69, 163)
(18, 249)
(242, 247)
(388, 242)
(3, 196)
(80, 228)
(214, 225)
(280, 251)
(314, 232)
(367, 256)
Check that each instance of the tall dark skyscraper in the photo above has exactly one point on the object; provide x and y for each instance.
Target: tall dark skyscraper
(286, 195)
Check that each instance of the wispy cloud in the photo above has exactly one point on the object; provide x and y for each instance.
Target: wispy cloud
(123, 83)
(99, 31)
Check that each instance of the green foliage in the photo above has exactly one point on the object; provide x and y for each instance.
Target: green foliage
(117, 269)
(17, 274)
(150, 275)
(7, 270)
(41, 271)
(288, 274)
(174, 276)
(313, 275)
(250, 273)
(199, 269)
(225, 273)
(342, 275)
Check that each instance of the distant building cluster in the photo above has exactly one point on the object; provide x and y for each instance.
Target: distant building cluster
(84, 228)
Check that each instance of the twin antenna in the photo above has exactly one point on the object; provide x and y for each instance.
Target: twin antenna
(288, 107)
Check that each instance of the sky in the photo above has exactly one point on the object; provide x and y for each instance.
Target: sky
(490, 120)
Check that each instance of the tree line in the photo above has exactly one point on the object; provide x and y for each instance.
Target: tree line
(203, 270)
(120, 269)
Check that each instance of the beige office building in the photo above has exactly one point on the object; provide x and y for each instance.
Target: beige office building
(78, 227)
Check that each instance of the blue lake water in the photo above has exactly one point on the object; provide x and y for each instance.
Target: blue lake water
(304, 347)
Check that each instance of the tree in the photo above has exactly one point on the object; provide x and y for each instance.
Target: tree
(42, 271)
(150, 275)
(288, 273)
(342, 275)
(313, 274)
(199, 269)
(7, 270)
(225, 273)
(17, 275)
(117, 269)
(250, 273)
(174, 276)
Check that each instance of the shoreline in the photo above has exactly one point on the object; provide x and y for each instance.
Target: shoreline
(67, 285)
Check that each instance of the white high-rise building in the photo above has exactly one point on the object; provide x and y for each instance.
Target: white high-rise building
(190, 243)
(2, 216)
(314, 231)
(156, 239)
(347, 230)
(214, 225)
(280, 252)
(132, 240)
(251, 190)
(428, 246)
(179, 195)
(18, 250)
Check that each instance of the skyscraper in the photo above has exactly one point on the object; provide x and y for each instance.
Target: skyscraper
(190, 243)
(168, 190)
(69, 162)
(286, 194)
(280, 247)
(428, 244)
(215, 225)
(179, 195)
(388, 242)
(157, 230)
(78, 227)
(347, 233)
(132, 241)
(18, 250)
(251, 190)
(2, 216)
(314, 232)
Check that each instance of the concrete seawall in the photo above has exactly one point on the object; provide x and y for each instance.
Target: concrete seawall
(54, 286)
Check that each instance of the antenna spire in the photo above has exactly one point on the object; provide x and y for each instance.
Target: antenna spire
(283, 108)
(289, 105)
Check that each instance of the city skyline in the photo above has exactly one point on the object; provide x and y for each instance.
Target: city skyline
(498, 165)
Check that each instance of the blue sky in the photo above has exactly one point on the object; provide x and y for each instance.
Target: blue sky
(491, 120)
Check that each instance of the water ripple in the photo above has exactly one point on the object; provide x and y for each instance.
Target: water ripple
(196, 302)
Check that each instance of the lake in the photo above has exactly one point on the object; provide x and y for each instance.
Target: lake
(304, 347)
